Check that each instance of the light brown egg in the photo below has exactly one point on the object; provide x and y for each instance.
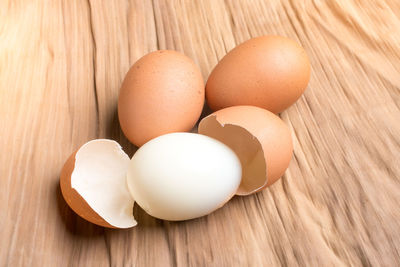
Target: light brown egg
(270, 72)
(261, 140)
(93, 183)
(163, 92)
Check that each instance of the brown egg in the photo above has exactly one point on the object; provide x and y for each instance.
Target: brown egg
(260, 139)
(93, 183)
(163, 92)
(270, 72)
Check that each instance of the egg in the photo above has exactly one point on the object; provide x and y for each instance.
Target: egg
(93, 183)
(260, 139)
(163, 92)
(181, 176)
(270, 72)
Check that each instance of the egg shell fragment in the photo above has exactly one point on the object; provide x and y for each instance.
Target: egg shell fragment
(181, 176)
(163, 92)
(270, 72)
(93, 183)
(261, 140)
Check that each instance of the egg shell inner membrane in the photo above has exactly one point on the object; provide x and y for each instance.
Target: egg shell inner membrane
(99, 177)
(247, 148)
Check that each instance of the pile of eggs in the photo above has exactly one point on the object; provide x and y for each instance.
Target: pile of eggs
(241, 148)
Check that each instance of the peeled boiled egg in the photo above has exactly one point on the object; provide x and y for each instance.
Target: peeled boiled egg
(260, 139)
(163, 92)
(180, 176)
(93, 183)
(270, 72)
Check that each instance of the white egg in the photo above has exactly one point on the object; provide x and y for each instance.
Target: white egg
(181, 176)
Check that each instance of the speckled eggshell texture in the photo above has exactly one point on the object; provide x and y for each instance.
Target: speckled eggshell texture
(270, 72)
(163, 92)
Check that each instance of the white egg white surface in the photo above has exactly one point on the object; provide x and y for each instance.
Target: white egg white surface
(181, 176)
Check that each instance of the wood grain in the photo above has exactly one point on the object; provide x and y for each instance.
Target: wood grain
(61, 66)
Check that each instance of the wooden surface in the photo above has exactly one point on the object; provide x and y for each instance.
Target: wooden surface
(61, 66)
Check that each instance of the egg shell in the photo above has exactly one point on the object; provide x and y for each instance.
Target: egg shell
(163, 92)
(98, 192)
(181, 176)
(270, 72)
(261, 140)
(74, 200)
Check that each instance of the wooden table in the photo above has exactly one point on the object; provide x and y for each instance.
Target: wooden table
(61, 66)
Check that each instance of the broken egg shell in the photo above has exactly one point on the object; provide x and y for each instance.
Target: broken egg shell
(77, 202)
(261, 140)
(74, 200)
